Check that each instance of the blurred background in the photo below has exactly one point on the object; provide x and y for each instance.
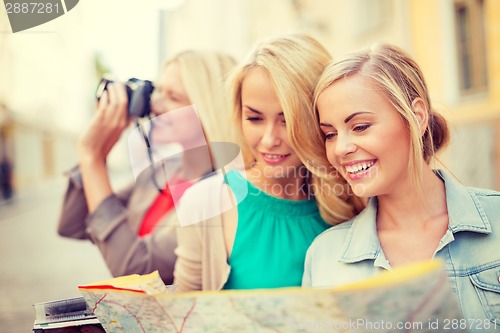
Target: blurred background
(48, 76)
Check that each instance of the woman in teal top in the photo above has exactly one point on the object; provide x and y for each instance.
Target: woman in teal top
(271, 237)
(262, 242)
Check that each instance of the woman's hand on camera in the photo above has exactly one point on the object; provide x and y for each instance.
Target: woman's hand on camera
(109, 122)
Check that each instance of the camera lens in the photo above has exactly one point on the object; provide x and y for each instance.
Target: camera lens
(138, 94)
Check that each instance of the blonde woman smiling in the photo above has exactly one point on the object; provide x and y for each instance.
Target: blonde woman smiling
(380, 133)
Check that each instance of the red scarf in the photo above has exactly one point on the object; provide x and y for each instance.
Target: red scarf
(163, 204)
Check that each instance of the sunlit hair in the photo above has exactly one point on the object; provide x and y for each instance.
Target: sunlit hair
(396, 75)
(294, 63)
(204, 74)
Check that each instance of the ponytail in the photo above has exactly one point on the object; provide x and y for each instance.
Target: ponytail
(437, 135)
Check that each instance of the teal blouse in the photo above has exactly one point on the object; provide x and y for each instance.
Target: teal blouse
(272, 237)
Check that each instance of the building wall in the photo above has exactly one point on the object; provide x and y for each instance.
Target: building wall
(474, 149)
(40, 70)
(212, 25)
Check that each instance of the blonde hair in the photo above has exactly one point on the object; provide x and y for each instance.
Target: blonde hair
(204, 74)
(293, 63)
(395, 74)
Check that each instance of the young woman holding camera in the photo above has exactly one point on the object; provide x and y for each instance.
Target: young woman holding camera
(133, 227)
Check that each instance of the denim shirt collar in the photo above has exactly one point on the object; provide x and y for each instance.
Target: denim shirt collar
(464, 211)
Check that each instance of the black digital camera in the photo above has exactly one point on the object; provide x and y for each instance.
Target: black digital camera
(138, 93)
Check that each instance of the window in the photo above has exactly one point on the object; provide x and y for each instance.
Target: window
(469, 18)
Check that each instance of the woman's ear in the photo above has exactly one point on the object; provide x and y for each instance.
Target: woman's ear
(421, 113)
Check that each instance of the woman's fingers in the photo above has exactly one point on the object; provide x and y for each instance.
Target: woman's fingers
(102, 104)
(113, 104)
(108, 124)
(112, 110)
(122, 104)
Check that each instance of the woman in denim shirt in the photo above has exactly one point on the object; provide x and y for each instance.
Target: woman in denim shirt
(380, 134)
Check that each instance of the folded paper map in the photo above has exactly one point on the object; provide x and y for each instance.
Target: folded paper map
(413, 298)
